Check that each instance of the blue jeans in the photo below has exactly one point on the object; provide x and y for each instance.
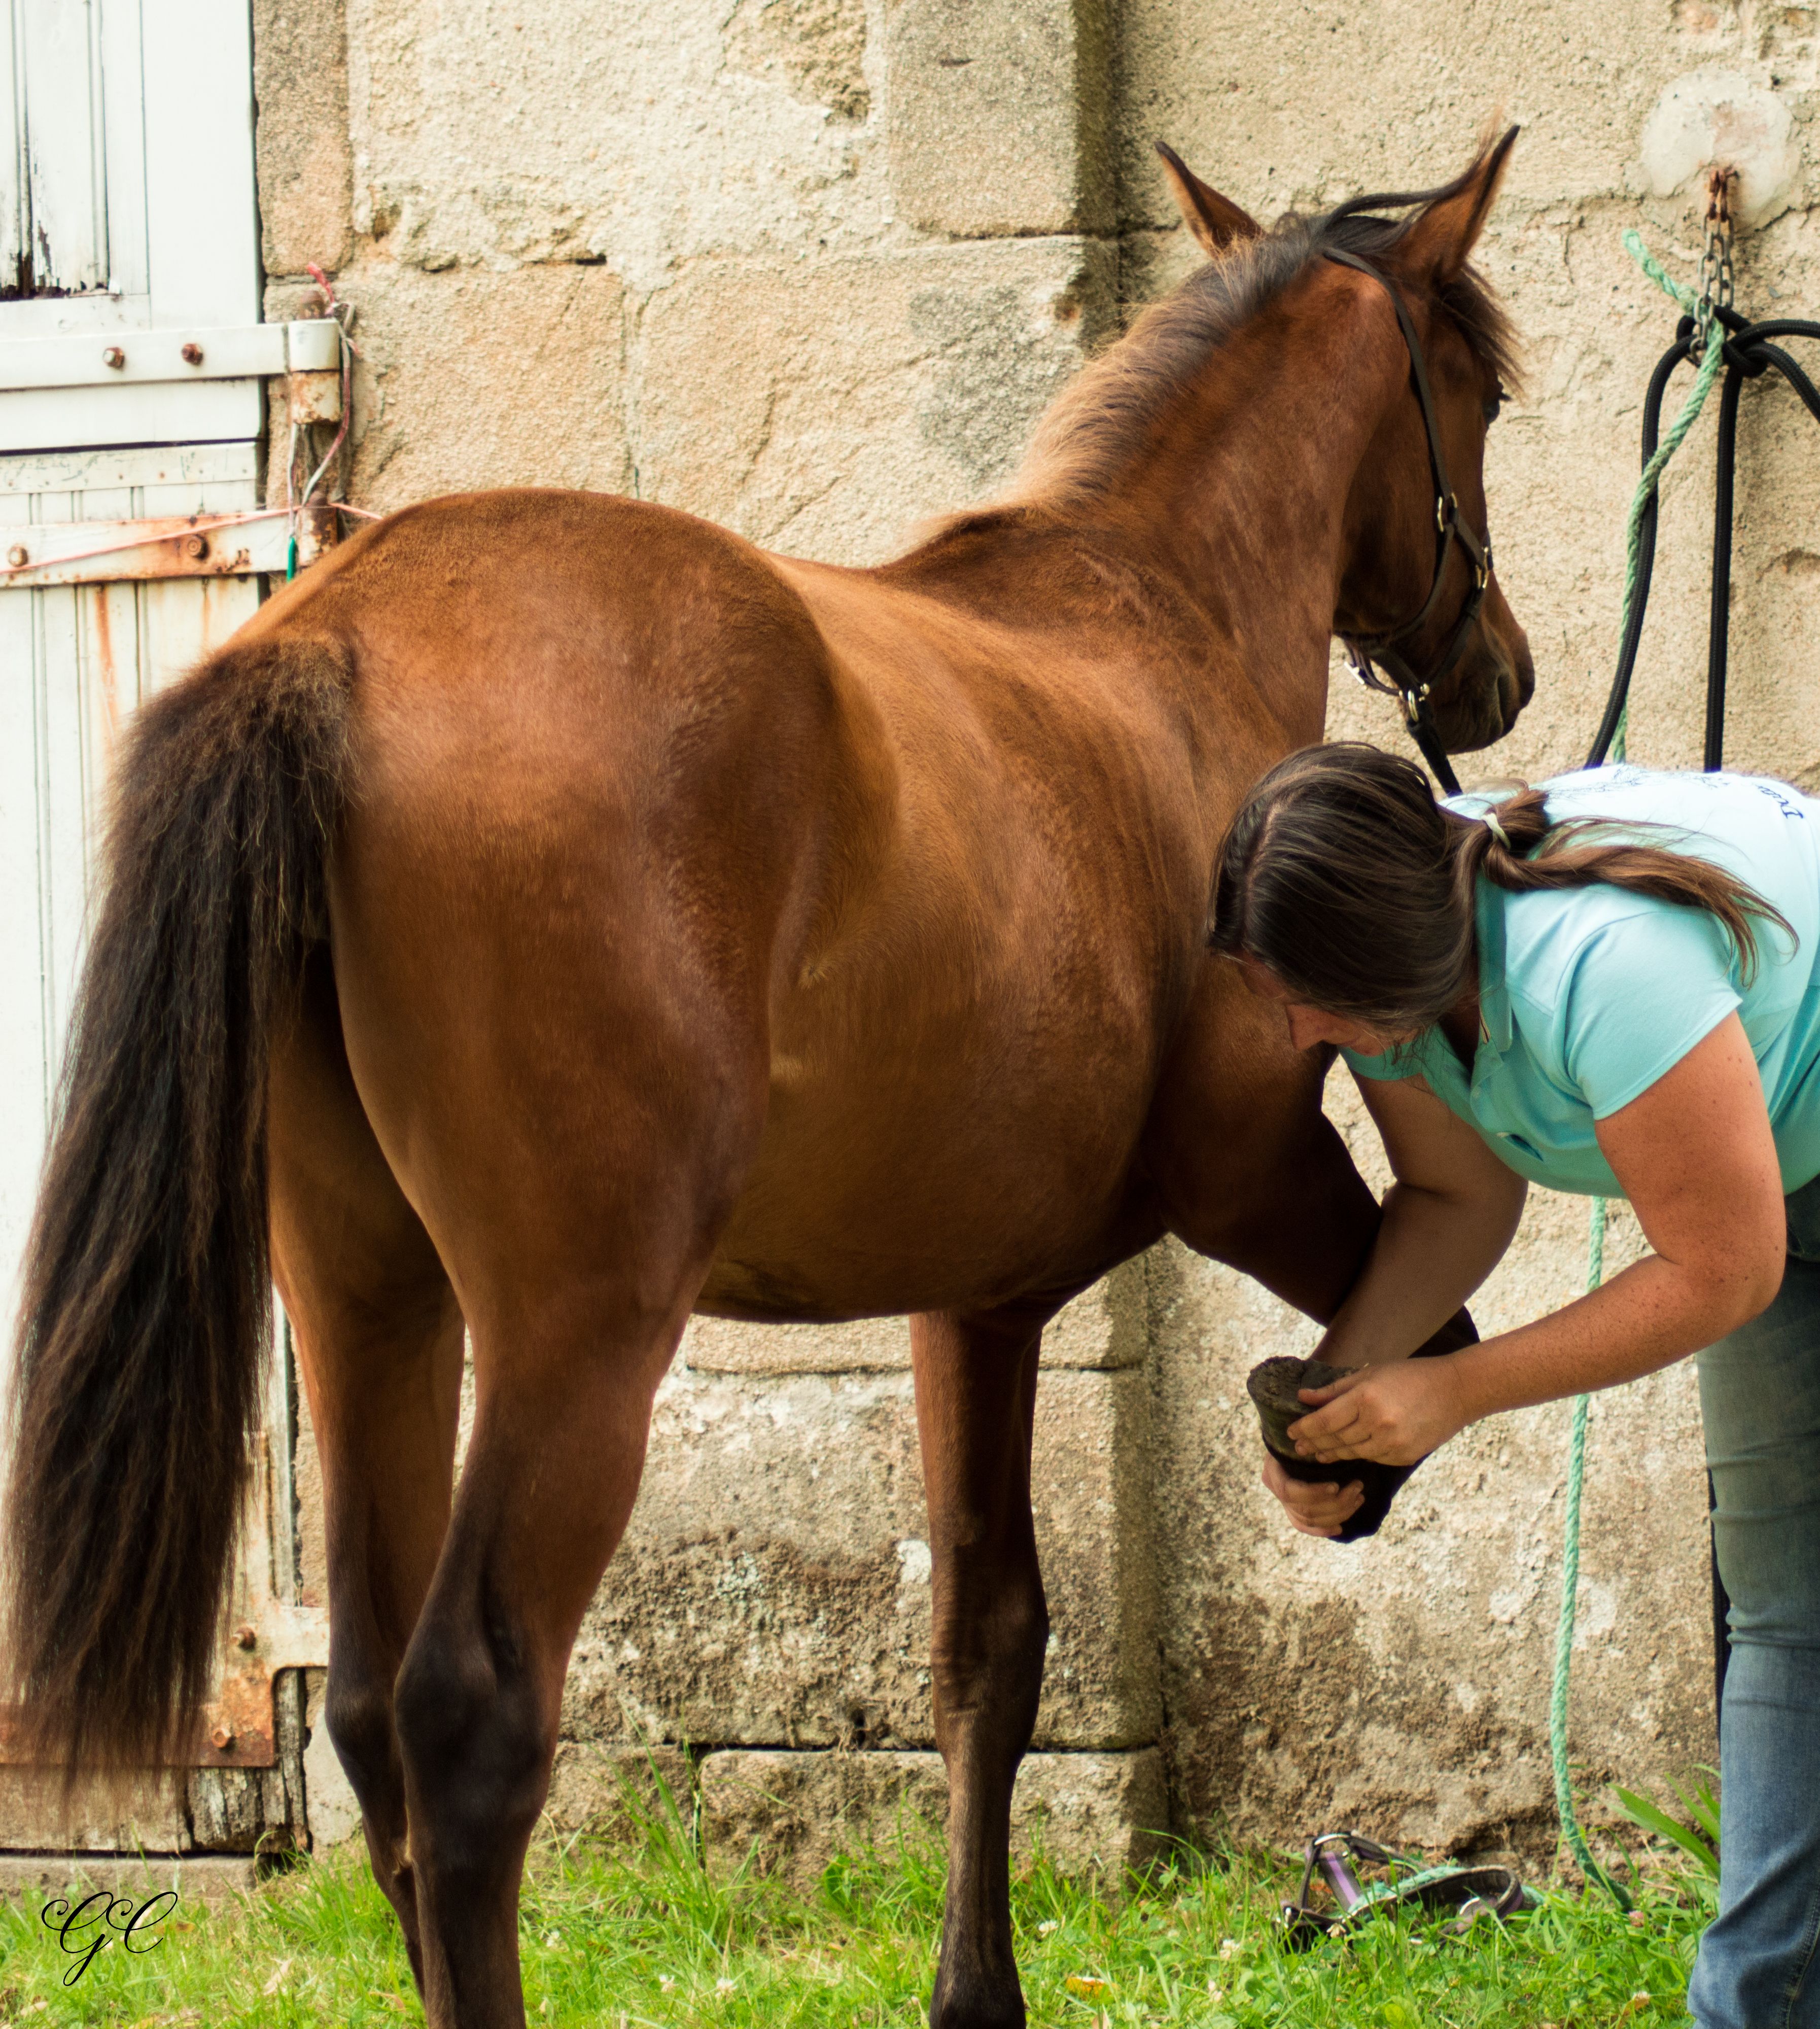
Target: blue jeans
(1759, 1961)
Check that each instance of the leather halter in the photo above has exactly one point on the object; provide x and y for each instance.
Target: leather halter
(1385, 651)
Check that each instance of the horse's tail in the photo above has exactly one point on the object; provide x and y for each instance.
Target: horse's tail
(146, 1304)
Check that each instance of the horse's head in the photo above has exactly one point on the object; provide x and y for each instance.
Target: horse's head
(1422, 603)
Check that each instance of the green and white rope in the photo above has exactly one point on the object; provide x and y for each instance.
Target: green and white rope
(1712, 358)
(1571, 1831)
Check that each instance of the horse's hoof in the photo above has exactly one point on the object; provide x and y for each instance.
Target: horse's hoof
(977, 2002)
(1273, 1385)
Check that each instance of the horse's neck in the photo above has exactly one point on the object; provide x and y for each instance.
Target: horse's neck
(1242, 505)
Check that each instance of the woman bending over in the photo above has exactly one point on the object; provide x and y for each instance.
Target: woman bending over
(1609, 983)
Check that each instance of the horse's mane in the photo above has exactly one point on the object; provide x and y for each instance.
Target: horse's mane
(1088, 432)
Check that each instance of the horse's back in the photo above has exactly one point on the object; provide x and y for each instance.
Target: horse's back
(525, 604)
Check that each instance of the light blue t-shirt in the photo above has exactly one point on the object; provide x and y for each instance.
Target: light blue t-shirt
(1587, 995)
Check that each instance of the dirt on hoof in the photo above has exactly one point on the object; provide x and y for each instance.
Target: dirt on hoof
(1273, 1385)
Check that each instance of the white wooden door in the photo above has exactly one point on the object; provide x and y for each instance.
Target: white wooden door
(126, 208)
(131, 359)
(74, 659)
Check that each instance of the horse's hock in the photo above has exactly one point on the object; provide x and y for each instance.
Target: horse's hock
(811, 268)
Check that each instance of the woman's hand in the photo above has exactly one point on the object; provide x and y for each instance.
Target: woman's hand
(1394, 1413)
(1317, 1508)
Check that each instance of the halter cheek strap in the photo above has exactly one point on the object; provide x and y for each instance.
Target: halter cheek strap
(1385, 651)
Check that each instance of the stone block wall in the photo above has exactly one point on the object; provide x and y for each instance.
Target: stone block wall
(813, 267)
(773, 1589)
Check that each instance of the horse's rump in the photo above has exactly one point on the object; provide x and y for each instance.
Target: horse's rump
(900, 858)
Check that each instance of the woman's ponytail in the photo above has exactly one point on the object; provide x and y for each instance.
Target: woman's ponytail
(1569, 855)
(1343, 875)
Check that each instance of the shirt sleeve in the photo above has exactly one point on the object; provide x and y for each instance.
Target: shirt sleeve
(1639, 994)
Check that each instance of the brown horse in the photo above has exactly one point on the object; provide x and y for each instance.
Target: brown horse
(553, 915)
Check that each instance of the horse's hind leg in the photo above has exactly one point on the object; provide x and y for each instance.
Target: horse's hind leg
(576, 1288)
(451, 1632)
(976, 1385)
(545, 1496)
(378, 1339)
(564, 1393)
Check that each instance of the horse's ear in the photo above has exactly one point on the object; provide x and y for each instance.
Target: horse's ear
(1440, 243)
(1214, 221)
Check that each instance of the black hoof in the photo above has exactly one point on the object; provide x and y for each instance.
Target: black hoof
(977, 2004)
(1273, 1385)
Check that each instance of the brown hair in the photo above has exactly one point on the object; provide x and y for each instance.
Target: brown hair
(1343, 875)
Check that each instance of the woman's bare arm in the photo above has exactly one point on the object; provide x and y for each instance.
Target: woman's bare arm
(1449, 1215)
(1695, 1157)
(1447, 1219)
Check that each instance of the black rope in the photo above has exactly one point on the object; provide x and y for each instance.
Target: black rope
(1749, 354)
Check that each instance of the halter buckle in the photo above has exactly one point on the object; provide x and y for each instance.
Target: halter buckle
(1364, 672)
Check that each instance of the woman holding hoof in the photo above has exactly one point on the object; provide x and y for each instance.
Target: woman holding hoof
(1607, 984)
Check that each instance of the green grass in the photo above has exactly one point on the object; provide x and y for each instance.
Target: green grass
(622, 1938)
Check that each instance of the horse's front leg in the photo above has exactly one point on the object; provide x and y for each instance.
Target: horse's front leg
(1252, 1172)
(1249, 1171)
(976, 1385)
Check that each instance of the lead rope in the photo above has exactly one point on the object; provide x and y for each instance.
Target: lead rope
(1700, 308)
(1570, 1832)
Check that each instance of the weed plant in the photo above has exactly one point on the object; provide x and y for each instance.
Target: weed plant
(641, 1933)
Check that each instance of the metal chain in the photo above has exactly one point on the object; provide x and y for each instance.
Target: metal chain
(1715, 285)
